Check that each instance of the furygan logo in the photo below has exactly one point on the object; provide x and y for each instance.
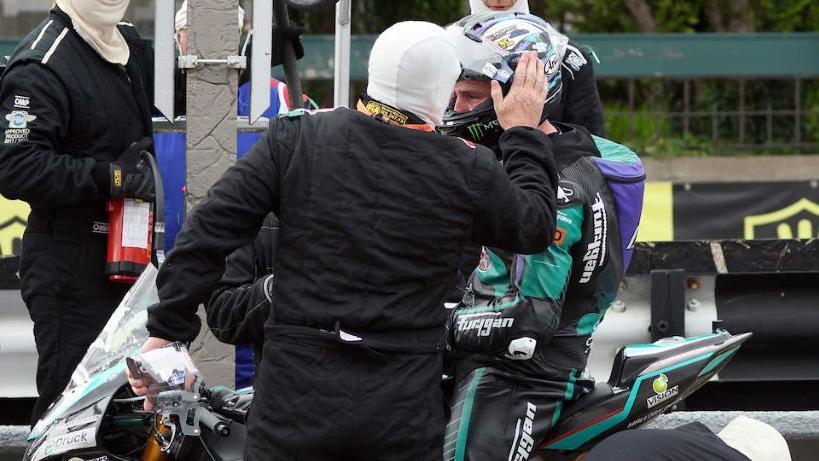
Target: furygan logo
(484, 325)
(526, 443)
(596, 251)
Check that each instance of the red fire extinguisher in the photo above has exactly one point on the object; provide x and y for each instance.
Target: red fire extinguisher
(136, 232)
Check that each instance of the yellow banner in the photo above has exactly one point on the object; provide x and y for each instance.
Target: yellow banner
(657, 220)
(13, 216)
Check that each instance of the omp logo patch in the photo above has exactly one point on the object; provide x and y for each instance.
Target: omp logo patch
(799, 220)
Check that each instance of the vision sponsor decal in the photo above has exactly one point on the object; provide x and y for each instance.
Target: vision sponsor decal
(660, 387)
(596, 251)
(523, 442)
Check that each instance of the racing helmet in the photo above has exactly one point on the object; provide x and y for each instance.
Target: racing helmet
(489, 46)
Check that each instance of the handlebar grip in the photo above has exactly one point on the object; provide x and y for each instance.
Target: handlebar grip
(212, 422)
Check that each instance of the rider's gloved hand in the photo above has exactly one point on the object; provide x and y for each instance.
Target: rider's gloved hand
(129, 175)
(513, 332)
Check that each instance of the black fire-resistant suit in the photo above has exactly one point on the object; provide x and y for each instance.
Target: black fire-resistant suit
(372, 221)
(64, 110)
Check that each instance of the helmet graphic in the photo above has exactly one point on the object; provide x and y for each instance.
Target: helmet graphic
(489, 46)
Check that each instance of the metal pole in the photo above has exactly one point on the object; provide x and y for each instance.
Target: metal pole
(164, 64)
(213, 33)
(291, 66)
(341, 93)
(260, 60)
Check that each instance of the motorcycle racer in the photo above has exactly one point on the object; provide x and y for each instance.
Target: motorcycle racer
(521, 335)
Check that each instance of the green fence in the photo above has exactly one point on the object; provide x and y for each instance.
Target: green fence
(794, 55)
(667, 94)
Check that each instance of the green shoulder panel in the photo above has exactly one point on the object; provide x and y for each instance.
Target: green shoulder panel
(615, 152)
(547, 273)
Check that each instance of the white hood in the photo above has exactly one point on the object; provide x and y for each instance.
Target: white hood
(96, 22)
(413, 67)
(755, 439)
(477, 6)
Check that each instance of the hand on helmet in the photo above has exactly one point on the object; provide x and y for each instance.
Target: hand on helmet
(523, 105)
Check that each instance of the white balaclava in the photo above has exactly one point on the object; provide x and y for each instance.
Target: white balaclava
(413, 67)
(755, 439)
(96, 22)
(477, 6)
(180, 19)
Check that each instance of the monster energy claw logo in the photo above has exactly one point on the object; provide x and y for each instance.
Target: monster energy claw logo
(478, 130)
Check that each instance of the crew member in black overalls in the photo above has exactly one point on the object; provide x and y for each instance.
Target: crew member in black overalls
(74, 116)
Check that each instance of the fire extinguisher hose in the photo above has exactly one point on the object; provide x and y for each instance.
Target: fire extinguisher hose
(158, 255)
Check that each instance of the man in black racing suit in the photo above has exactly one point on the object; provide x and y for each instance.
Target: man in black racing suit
(521, 335)
(73, 121)
(374, 210)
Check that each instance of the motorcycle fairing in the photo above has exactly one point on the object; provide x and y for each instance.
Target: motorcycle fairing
(633, 399)
(76, 430)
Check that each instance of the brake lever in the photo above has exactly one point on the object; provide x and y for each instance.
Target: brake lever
(135, 366)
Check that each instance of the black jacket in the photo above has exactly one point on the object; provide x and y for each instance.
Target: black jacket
(242, 301)
(580, 102)
(372, 221)
(63, 109)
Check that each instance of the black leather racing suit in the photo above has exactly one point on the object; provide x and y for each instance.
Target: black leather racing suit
(557, 297)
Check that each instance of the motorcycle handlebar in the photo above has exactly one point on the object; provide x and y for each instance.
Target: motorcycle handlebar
(213, 423)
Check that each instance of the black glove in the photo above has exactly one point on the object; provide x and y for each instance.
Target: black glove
(129, 175)
(512, 333)
(283, 34)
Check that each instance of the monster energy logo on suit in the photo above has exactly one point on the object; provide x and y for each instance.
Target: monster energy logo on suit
(477, 130)
(596, 251)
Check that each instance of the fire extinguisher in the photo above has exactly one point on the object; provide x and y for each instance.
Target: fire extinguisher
(136, 232)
